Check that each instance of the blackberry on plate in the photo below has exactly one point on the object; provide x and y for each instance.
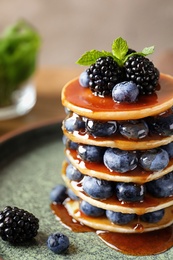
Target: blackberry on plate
(17, 225)
(141, 70)
(104, 74)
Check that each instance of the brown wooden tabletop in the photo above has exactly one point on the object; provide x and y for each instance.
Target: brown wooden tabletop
(48, 108)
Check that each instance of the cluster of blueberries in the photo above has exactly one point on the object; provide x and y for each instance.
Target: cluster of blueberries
(126, 192)
(131, 129)
(119, 160)
(122, 161)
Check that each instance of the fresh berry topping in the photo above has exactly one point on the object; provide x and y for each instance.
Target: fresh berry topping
(119, 218)
(154, 160)
(101, 129)
(153, 217)
(141, 70)
(91, 153)
(122, 64)
(134, 129)
(73, 174)
(58, 242)
(162, 187)
(58, 194)
(119, 160)
(96, 188)
(91, 210)
(84, 79)
(130, 192)
(17, 225)
(126, 91)
(74, 123)
(103, 75)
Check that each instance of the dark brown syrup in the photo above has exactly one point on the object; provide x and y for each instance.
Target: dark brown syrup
(137, 244)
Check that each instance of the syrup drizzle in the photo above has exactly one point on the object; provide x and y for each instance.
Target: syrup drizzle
(138, 244)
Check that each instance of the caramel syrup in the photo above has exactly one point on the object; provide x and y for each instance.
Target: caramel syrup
(138, 244)
(88, 105)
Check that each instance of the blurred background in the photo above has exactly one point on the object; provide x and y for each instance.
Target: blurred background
(70, 27)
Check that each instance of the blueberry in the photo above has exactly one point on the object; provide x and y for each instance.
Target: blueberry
(120, 160)
(96, 188)
(58, 194)
(119, 218)
(91, 210)
(69, 144)
(58, 242)
(72, 195)
(154, 160)
(126, 91)
(162, 124)
(91, 153)
(130, 192)
(169, 149)
(134, 129)
(153, 217)
(73, 174)
(84, 79)
(101, 129)
(162, 187)
(74, 123)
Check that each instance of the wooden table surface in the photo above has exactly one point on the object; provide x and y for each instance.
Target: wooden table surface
(48, 108)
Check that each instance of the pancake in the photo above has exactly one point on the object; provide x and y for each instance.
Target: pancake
(82, 102)
(100, 171)
(149, 204)
(102, 223)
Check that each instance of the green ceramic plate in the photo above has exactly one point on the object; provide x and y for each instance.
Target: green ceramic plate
(30, 168)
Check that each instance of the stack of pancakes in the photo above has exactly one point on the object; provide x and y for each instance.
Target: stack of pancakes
(81, 102)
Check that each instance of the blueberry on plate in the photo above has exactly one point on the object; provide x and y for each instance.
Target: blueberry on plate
(91, 210)
(119, 218)
(134, 129)
(130, 192)
(84, 79)
(58, 242)
(101, 129)
(154, 160)
(91, 153)
(73, 174)
(153, 217)
(169, 149)
(126, 91)
(120, 160)
(97, 188)
(58, 194)
(162, 187)
(74, 123)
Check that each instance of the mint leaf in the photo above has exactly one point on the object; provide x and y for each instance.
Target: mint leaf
(119, 48)
(148, 50)
(90, 57)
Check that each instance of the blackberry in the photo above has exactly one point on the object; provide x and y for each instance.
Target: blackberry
(141, 70)
(104, 75)
(17, 225)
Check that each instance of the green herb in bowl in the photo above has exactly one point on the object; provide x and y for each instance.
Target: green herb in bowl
(19, 47)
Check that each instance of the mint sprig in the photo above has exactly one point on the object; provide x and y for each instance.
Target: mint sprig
(119, 53)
